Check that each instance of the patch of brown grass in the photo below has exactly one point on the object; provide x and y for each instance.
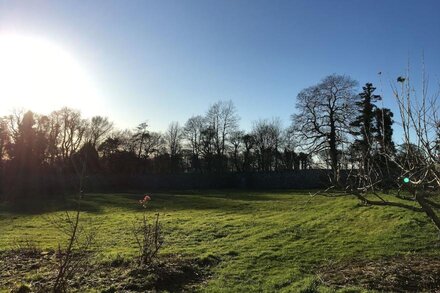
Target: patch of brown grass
(37, 270)
(395, 274)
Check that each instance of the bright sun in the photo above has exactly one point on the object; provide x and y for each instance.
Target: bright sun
(38, 75)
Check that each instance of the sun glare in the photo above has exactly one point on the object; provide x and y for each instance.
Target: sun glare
(41, 76)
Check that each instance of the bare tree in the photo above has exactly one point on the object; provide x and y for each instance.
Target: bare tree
(222, 117)
(75, 255)
(173, 138)
(54, 135)
(237, 144)
(420, 119)
(72, 131)
(324, 113)
(125, 137)
(140, 136)
(267, 136)
(192, 132)
(154, 144)
(289, 157)
(13, 122)
(4, 139)
(98, 129)
(207, 144)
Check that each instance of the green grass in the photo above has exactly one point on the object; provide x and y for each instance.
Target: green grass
(266, 241)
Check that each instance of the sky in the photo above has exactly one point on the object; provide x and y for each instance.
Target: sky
(163, 61)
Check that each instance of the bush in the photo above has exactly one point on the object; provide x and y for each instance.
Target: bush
(148, 236)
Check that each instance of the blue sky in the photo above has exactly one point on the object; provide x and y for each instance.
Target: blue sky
(164, 61)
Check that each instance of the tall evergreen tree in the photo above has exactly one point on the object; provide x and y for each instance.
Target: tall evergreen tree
(373, 132)
(384, 134)
(385, 147)
(365, 126)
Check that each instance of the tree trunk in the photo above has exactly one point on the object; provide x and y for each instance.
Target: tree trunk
(333, 153)
(428, 210)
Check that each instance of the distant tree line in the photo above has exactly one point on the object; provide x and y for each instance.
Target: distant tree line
(331, 129)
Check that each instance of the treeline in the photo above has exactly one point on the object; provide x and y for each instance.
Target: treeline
(334, 128)
(35, 149)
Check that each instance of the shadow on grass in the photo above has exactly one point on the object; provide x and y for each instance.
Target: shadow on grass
(33, 207)
(238, 201)
(162, 202)
(190, 200)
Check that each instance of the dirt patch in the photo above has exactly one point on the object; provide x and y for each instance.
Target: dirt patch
(35, 270)
(394, 274)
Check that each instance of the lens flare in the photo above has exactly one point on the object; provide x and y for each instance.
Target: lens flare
(41, 76)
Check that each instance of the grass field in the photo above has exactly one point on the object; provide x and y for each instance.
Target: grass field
(264, 241)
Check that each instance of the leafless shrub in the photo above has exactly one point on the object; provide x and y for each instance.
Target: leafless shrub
(148, 238)
(75, 255)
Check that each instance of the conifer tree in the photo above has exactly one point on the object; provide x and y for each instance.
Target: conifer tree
(364, 126)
